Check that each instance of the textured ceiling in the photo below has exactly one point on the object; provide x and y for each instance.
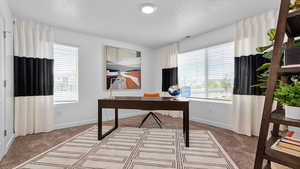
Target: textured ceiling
(122, 19)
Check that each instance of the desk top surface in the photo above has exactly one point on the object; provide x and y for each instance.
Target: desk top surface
(135, 98)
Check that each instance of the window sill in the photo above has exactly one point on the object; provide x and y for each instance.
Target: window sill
(211, 100)
(66, 102)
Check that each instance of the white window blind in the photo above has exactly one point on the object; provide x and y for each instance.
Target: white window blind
(208, 72)
(191, 72)
(65, 74)
(220, 71)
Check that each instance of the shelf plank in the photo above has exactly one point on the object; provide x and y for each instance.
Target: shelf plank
(294, 13)
(280, 157)
(278, 117)
(289, 70)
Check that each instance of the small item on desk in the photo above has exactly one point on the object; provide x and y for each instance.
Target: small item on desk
(151, 95)
(180, 99)
(174, 90)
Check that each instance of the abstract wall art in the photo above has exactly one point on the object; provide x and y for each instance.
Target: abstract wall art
(123, 68)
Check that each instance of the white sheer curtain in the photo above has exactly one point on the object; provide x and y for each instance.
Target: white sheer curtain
(169, 60)
(33, 114)
(249, 34)
(169, 56)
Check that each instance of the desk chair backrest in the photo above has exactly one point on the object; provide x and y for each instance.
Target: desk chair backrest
(151, 95)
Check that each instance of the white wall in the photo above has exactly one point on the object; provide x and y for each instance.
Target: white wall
(92, 79)
(212, 112)
(5, 13)
(215, 37)
(9, 90)
(4, 10)
(2, 98)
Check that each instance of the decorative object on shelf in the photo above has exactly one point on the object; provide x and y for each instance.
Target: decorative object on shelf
(289, 96)
(174, 90)
(292, 112)
(293, 23)
(123, 68)
(291, 56)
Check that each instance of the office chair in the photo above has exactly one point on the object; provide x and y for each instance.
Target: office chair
(154, 116)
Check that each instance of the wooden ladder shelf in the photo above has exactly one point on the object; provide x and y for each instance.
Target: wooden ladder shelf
(277, 117)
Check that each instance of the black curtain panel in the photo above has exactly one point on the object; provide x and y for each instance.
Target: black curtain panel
(169, 78)
(33, 76)
(245, 75)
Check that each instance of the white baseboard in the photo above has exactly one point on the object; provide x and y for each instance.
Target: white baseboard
(1, 156)
(73, 124)
(213, 123)
(126, 115)
(7, 146)
(91, 121)
(10, 142)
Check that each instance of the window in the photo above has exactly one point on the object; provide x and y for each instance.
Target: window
(208, 72)
(65, 74)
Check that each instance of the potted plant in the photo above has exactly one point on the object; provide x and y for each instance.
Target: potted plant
(267, 52)
(288, 95)
(295, 4)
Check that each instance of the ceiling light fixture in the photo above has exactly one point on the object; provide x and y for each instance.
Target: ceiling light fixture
(148, 8)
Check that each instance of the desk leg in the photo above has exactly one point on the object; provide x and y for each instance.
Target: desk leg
(102, 136)
(116, 118)
(186, 128)
(99, 123)
(183, 123)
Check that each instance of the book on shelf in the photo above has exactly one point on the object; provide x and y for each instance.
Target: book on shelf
(289, 144)
(290, 141)
(286, 148)
(293, 136)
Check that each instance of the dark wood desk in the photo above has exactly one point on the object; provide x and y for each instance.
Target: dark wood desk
(143, 103)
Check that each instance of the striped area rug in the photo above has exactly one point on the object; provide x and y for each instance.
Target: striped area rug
(134, 148)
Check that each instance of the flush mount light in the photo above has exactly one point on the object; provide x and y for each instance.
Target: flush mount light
(148, 8)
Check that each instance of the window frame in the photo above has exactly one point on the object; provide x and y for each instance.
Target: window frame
(76, 100)
(206, 73)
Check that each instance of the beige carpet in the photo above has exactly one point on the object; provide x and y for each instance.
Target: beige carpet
(133, 148)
